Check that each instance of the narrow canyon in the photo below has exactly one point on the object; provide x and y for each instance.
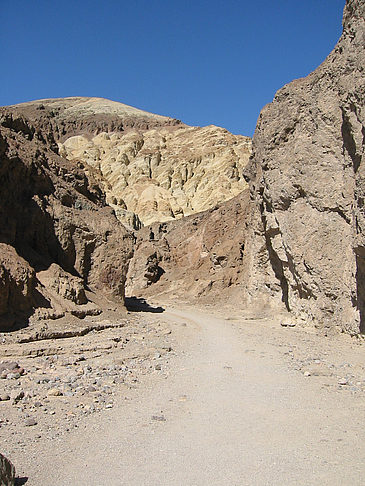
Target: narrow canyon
(182, 305)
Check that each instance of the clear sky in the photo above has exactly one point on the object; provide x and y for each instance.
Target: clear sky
(204, 62)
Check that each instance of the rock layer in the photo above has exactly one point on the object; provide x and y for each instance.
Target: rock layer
(151, 167)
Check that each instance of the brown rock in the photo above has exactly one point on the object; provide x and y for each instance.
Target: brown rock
(54, 392)
(307, 181)
(16, 395)
(7, 472)
(30, 422)
(58, 236)
(297, 242)
(192, 258)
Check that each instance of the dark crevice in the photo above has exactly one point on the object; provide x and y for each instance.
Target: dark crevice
(360, 287)
(304, 292)
(339, 212)
(138, 304)
(277, 265)
(348, 139)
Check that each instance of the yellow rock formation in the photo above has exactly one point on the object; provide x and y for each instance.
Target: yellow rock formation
(166, 172)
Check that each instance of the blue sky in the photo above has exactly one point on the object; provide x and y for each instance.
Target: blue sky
(216, 62)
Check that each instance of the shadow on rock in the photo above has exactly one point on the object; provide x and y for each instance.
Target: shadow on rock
(135, 304)
(20, 481)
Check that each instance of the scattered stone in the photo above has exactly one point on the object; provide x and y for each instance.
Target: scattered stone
(4, 397)
(29, 422)
(8, 366)
(343, 381)
(13, 376)
(16, 395)
(286, 323)
(54, 392)
(306, 373)
(158, 418)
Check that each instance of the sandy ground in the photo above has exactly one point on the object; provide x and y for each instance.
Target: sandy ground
(234, 402)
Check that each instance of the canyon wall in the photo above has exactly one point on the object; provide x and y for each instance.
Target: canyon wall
(60, 244)
(165, 173)
(300, 233)
(152, 168)
(71, 170)
(307, 185)
(294, 241)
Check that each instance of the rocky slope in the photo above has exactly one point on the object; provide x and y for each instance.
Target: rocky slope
(192, 259)
(59, 241)
(62, 161)
(154, 168)
(301, 233)
(162, 173)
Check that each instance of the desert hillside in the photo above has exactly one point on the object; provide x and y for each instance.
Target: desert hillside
(153, 168)
(164, 174)
(71, 170)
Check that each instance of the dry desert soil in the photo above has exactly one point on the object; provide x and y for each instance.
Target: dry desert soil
(212, 399)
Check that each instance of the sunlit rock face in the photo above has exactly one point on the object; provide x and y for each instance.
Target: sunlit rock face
(307, 178)
(165, 173)
(152, 167)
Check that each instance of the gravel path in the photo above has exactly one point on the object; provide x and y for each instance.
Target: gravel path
(233, 410)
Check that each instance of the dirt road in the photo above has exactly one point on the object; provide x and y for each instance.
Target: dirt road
(233, 410)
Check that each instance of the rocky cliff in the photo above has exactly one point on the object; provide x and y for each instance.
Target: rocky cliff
(307, 183)
(60, 243)
(294, 241)
(69, 168)
(300, 245)
(195, 258)
(165, 173)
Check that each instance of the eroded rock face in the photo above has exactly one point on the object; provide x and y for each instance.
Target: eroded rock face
(57, 236)
(165, 173)
(307, 181)
(194, 258)
(62, 162)
(151, 167)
